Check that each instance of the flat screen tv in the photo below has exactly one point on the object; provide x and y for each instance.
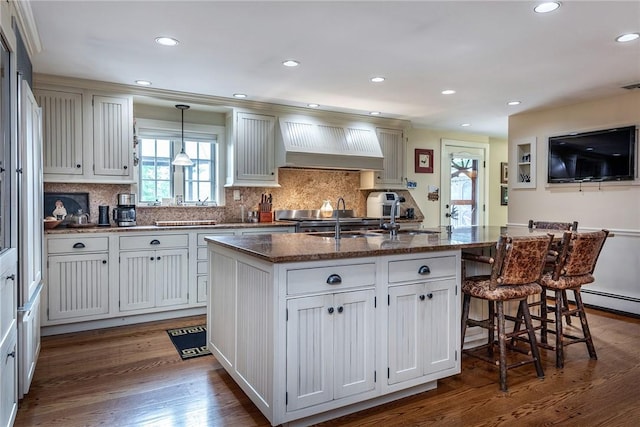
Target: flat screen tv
(603, 155)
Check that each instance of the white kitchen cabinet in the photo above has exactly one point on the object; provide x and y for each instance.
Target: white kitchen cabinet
(8, 338)
(393, 175)
(251, 151)
(153, 271)
(330, 351)
(423, 308)
(87, 135)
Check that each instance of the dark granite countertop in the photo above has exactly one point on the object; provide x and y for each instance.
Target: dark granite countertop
(298, 247)
(116, 229)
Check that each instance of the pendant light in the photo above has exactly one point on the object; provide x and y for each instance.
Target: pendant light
(182, 159)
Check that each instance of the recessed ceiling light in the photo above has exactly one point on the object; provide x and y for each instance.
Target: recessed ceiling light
(514, 102)
(377, 79)
(448, 92)
(291, 63)
(239, 95)
(167, 41)
(143, 82)
(546, 7)
(313, 105)
(375, 113)
(464, 125)
(627, 37)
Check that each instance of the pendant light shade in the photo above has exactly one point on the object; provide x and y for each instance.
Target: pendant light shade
(182, 159)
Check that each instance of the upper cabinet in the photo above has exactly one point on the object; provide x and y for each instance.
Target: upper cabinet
(524, 159)
(251, 150)
(393, 173)
(87, 135)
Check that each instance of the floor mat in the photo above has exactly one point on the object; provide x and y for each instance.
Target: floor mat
(190, 341)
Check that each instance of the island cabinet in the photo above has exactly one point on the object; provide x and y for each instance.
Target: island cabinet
(153, 271)
(312, 340)
(423, 296)
(8, 337)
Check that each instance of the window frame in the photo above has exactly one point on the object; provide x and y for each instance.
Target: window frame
(164, 129)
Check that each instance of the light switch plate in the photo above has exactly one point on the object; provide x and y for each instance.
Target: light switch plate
(236, 194)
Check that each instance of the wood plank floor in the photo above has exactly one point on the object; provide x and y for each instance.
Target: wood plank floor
(133, 376)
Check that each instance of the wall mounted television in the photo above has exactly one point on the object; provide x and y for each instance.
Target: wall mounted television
(602, 155)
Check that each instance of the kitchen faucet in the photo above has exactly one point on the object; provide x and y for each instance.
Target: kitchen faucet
(203, 202)
(344, 207)
(392, 225)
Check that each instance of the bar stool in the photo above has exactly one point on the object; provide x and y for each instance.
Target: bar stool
(574, 268)
(515, 271)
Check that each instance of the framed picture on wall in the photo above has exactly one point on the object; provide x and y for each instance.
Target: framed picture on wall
(504, 195)
(424, 161)
(504, 172)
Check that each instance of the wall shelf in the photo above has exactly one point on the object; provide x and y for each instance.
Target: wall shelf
(524, 157)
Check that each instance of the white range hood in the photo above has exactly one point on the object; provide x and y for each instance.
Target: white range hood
(310, 142)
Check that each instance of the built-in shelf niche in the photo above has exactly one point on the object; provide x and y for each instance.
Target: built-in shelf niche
(524, 159)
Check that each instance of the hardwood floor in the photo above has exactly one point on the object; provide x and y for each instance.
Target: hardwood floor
(133, 376)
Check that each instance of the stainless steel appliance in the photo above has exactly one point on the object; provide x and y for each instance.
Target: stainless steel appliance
(124, 215)
(379, 204)
(311, 220)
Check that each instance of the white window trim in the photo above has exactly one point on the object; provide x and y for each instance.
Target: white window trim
(170, 129)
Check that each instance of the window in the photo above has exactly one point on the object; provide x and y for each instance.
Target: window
(159, 142)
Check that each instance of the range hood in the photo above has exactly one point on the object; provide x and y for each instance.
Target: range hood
(310, 142)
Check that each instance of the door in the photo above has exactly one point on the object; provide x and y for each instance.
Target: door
(112, 146)
(405, 336)
(440, 316)
(137, 280)
(463, 180)
(171, 277)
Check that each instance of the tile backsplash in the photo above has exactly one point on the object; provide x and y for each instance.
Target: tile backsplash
(299, 189)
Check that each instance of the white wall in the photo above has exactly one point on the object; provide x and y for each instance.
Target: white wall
(615, 206)
(430, 139)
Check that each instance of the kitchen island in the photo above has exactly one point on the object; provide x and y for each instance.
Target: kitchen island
(312, 328)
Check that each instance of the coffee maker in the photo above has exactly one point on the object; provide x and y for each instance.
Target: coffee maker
(124, 215)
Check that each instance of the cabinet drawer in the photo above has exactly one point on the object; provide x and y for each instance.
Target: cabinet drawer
(201, 236)
(81, 244)
(203, 267)
(413, 269)
(344, 277)
(159, 241)
(202, 254)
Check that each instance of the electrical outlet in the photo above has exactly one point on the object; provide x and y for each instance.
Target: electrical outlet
(236, 194)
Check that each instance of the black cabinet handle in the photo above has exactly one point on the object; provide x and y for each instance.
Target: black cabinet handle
(125, 167)
(11, 277)
(151, 258)
(155, 242)
(158, 258)
(429, 295)
(334, 279)
(78, 166)
(104, 261)
(340, 309)
(79, 246)
(12, 354)
(421, 297)
(423, 270)
(330, 310)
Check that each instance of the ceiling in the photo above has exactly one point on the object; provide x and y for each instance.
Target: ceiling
(488, 52)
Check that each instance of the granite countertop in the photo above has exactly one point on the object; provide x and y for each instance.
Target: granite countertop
(116, 229)
(297, 247)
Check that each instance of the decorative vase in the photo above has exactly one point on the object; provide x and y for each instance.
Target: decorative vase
(326, 211)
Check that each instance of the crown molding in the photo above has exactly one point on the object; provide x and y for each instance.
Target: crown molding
(28, 28)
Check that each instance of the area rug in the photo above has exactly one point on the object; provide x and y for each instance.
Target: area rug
(190, 341)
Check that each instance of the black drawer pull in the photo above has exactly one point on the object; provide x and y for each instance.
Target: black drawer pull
(334, 279)
(424, 270)
(79, 246)
(11, 277)
(155, 242)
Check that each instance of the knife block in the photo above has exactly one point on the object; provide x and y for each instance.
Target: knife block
(266, 216)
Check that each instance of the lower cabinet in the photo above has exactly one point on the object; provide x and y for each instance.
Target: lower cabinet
(330, 347)
(8, 379)
(420, 335)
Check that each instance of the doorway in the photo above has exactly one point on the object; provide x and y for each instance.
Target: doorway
(463, 178)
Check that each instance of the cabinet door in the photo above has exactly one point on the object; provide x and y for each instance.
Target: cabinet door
(353, 347)
(439, 325)
(78, 285)
(171, 277)
(61, 131)
(8, 379)
(255, 148)
(112, 141)
(392, 145)
(405, 326)
(309, 351)
(137, 280)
